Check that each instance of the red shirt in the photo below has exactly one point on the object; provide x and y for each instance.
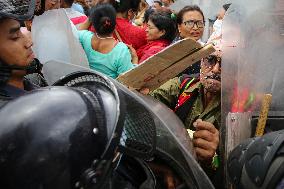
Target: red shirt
(75, 16)
(130, 34)
(151, 48)
(79, 20)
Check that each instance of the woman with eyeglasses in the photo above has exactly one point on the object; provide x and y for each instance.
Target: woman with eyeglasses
(191, 22)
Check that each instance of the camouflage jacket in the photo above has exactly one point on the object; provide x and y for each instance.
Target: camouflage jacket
(169, 93)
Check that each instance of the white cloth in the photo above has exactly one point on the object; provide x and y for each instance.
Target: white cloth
(71, 13)
(78, 7)
(150, 2)
(215, 37)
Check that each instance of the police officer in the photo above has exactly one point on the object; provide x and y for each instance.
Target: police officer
(16, 55)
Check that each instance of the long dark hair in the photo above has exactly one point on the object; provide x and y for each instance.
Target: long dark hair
(40, 7)
(125, 5)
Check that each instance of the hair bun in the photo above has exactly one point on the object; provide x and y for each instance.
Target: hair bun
(107, 23)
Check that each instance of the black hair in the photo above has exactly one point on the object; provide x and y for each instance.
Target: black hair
(40, 7)
(103, 17)
(163, 21)
(68, 2)
(188, 9)
(125, 5)
(159, 2)
(147, 14)
(226, 6)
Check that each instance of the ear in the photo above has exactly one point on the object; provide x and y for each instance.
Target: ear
(179, 26)
(129, 14)
(162, 32)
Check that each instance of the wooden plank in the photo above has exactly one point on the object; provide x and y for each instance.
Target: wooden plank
(266, 101)
(177, 68)
(165, 65)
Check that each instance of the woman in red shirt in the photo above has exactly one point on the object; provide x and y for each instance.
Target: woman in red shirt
(161, 31)
(125, 30)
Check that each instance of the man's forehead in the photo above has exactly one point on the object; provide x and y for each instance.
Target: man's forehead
(7, 25)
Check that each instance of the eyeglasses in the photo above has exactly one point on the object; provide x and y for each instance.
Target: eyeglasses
(211, 61)
(191, 23)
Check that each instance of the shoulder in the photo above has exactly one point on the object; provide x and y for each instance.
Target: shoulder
(85, 33)
(121, 47)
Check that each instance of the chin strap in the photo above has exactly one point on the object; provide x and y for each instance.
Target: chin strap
(99, 174)
(6, 70)
(5, 73)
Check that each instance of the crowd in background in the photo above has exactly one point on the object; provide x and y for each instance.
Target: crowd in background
(145, 27)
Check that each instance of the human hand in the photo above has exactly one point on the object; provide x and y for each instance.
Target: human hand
(85, 25)
(164, 171)
(144, 91)
(205, 140)
(134, 57)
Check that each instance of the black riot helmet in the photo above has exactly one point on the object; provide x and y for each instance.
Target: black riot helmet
(258, 162)
(61, 137)
(19, 10)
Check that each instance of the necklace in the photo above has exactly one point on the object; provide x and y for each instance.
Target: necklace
(103, 37)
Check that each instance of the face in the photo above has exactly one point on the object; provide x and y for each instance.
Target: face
(152, 32)
(95, 2)
(15, 47)
(52, 4)
(192, 25)
(221, 14)
(210, 74)
(166, 3)
(131, 14)
(156, 6)
(38, 4)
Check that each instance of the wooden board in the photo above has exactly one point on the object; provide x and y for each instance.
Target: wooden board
(165, 65)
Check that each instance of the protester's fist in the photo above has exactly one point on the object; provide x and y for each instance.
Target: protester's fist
(205, 140)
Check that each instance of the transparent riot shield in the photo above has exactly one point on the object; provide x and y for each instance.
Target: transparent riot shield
(55, 38)
(252, 66)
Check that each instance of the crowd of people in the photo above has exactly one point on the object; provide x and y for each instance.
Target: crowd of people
(117, 36)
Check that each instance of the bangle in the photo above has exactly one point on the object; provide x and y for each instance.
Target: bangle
(215, 162)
